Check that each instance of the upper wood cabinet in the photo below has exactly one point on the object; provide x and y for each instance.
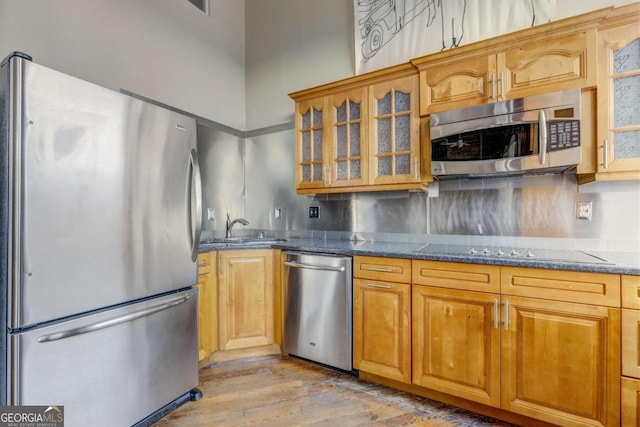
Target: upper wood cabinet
(394, 133)
(618, 111)
(359, 134)
(547, 58)
(310, 116)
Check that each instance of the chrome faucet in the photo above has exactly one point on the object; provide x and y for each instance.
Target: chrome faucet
(230, 225)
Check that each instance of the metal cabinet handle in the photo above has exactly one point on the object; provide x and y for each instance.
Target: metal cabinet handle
(493, 86)
(501, 94)
(542, 137)
(111, 322)
(605, 154)
(506, 315)
(380, 269)
(416, 167)
(313, 267)
(496, 314)
(327, 176)
(377, 286)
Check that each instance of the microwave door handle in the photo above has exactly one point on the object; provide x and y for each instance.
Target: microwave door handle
(542, 137)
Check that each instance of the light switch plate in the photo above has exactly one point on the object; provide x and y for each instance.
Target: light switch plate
(277, 213)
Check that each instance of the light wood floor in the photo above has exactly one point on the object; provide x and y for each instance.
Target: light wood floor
(284, 391)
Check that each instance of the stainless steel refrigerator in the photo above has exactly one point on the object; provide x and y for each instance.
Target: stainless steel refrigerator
(99, 231)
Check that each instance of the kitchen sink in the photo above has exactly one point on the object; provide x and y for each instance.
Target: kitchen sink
(228, 241)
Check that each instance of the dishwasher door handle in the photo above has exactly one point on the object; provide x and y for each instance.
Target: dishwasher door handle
(313, 267)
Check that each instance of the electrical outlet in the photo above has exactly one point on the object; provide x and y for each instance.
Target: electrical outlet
(584, 210)
(211, 214)
(277, 213)
(314, 211)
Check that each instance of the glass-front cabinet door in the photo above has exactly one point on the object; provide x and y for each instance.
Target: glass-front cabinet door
(310, 142)
(348, 166)
(619, 101)
(394, 137)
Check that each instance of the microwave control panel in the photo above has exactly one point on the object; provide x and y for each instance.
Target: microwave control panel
(564, 134)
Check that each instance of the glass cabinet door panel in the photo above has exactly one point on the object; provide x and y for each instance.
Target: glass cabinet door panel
(626, 101)
(618, 148)
(347, 138)
(395, 149)
(306, 146)
(626, 145)
(627, 58)
(309, 144)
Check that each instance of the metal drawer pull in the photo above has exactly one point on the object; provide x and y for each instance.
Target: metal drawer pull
(380, 269)
(313, 267)
(375, 285)
(496, 314)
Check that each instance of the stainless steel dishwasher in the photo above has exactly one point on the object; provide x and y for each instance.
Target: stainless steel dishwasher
(317, 308)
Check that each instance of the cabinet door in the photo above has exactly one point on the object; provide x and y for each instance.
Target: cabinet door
(348, 138)
(207, 327)
(456, 343)
(630, 402)
(619, 100)
(561, 362)
(310, 143)
(246, 298)
(394, 137)
(555, 64)
(631, 343)
(462, 83)
(382, 329)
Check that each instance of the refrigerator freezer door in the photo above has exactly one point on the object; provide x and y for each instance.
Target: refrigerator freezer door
(111, 368)
(106, 202)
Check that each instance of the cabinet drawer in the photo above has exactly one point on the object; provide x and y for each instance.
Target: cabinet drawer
(475, 277)
(378, 268)
(631, 292)
(587, 288)
(204, 263)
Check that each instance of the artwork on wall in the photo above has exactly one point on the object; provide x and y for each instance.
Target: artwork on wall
(389, 32)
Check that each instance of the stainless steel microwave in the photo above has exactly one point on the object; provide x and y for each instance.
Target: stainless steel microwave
(536, 134)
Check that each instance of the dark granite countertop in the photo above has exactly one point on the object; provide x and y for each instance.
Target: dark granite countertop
(573, 260)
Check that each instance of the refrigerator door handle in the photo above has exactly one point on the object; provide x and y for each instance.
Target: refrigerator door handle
(194, 209)
(56, 336)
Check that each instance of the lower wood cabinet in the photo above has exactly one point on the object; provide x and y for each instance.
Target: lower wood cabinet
(560, 361)
(630, 402)
(456, 343)
(630, 381)
(246, 295)
(382, 329)
(207, 305)
(528, 348)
